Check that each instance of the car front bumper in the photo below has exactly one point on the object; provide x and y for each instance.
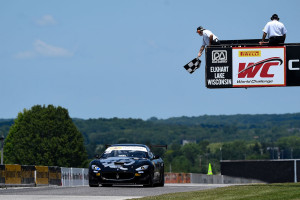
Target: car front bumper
(119, 177)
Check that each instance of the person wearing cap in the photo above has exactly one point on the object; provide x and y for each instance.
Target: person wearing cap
(208, 39)
(275, 30)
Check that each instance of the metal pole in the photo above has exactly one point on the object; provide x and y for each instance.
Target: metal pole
(71, 176)
(2, 144)
(82, 171)
(2, 153)
(35, 181)
(295, 171)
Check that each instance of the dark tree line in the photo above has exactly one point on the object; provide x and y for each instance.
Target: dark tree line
(232, 137)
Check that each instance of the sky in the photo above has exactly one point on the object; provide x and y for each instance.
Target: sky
(124, 59)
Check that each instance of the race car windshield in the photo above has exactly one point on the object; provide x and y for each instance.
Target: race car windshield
(125, 153)
(135, 152)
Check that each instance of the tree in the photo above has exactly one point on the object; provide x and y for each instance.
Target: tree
(289, 146)
(45, 136)
(191, 152)
(236, 150)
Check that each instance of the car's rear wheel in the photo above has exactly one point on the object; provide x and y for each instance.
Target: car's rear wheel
(162, 180)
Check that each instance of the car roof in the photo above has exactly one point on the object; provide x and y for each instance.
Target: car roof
(136, 145)
(132, 145)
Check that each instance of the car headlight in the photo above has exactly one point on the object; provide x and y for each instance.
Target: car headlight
(95, 168)
(144, 167)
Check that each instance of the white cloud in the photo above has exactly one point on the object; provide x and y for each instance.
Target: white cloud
(47, 50)
(25, 55)
(42, 49)
(46, 20)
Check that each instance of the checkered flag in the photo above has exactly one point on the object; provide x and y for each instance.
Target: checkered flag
(193, 65)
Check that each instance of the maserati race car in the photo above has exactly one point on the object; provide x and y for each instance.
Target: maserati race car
(127, 164)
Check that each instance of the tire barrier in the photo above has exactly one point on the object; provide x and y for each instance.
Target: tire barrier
(23, 175)
(2, 174)
(177, 178)
(206, 179)
(17, 175)
(42, 175)
(54, 175)
(27, 175)
(13, 174)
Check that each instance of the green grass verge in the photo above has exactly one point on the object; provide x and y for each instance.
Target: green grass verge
(280, 191)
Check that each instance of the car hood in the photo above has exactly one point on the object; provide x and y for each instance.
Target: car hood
(124, 162)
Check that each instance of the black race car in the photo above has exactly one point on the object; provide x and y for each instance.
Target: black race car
(127, 164)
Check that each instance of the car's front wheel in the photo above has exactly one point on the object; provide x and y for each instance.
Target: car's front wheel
(150, 180)
(93, 184)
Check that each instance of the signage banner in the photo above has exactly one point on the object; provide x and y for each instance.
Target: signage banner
(258, 66)
(218, 67)
(293, 65)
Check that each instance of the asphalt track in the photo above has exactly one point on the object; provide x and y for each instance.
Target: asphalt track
(99, 193)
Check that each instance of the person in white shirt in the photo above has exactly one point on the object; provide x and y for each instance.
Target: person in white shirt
(275, 30)
(208, 38)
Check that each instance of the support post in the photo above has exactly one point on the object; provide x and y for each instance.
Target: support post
(295, 171)
(2, 145)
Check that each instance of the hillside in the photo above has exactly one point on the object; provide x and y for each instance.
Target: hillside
(214, 129)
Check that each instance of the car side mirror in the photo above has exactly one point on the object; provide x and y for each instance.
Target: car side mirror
(156, 157)
(97, 156)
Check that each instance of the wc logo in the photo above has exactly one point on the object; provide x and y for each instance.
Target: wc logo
(219, 56)
(291, 64)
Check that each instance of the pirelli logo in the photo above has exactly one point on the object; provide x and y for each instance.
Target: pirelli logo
(255, 53)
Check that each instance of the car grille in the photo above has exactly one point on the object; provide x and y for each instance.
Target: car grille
(117, 175)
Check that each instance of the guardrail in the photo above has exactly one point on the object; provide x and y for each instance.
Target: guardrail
(31, 176)
(22, 175)
(74, 176)
(206, 179)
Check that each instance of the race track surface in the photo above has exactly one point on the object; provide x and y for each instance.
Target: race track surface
(99, 193)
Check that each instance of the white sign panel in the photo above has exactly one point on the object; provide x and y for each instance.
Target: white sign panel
(258, 67)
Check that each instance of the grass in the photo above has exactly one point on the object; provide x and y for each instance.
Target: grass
(282, 191)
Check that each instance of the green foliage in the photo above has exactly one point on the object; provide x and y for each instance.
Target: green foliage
(213, 129)
(44, 136)
(4, 126)
(289, 146)
(217, 137)
(236, 150)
